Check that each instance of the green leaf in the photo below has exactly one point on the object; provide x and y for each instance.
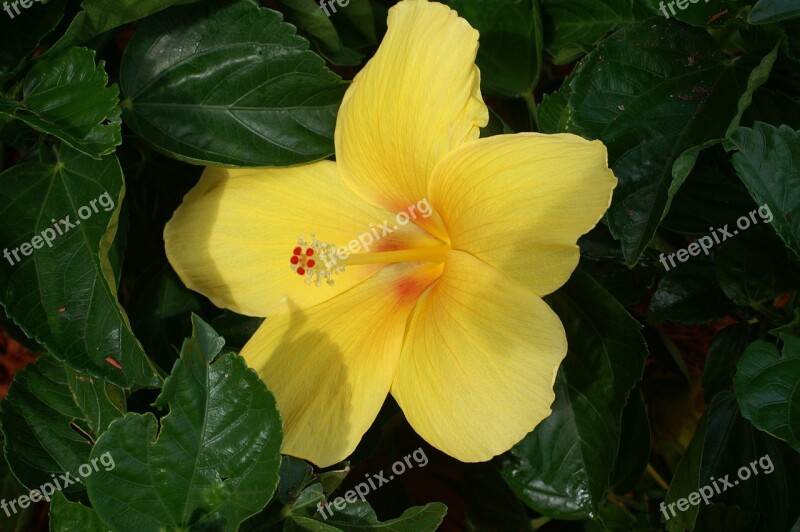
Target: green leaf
(772, 107)
(68, 516)
(754, 267)
(50, 418)
(771, 11)
(688, 294)
(358, 516)
(21, 35)
(767, 160)
(711, 197)
(215, 459)
(10, 488)
(553, 112)
(309, 17)
(563, 468)
(572, 26)
(723, 353)
(656, 94)
(66, 96)
(99, 16)
(64, 296)
(206, 94)
(504, 26)
(716, 14)
(634, 445)
(768, 389)
(723, 445)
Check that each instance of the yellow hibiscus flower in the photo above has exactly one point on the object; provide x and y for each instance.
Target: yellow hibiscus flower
(446, 311)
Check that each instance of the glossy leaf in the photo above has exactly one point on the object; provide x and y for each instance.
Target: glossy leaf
(50, 419)
(251, 97)
(212, 461)
(767, 160)
(67, 96)
(563, 468)
(65, 295)
(656, 94)
(768, 389)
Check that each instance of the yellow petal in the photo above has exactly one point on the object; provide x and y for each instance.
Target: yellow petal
(233, 236)
(478, 366)
(331, 366)
(417, 99)
(520, 202)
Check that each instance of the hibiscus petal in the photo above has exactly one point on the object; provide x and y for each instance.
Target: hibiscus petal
(477, 370)
(233, 236)
(331, 366)
(417, 99)
(520, 202)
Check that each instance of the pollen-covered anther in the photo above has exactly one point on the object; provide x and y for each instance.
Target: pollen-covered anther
(317, 261)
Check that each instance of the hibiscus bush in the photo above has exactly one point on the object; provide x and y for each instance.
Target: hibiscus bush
(366, 264)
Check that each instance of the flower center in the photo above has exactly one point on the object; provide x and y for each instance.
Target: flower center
(319, 261)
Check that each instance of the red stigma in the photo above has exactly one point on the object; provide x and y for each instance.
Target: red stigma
(310, 252)
(298, 250)
(301, 271)
(295, 260)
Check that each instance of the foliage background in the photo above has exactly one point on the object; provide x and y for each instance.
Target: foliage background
(672, 378)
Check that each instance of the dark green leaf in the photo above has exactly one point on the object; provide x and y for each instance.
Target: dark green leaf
(99, 16)
(768, 388)
(50, 418)
(754, 267)
(771, 11)
(309, 17)
(65, 296)
(634, 445)
(553, 113)
(563, 468)
(725, 444)
(767, 160)
(710, 197)
(215, 459)
(688, 294)
(10, 489)
(68, 516)
(255, 96)
(772, 107)
(66, 96)
(506, 26)
(723, 353)
(359, 516)
(21, 34)
(656, 94)
(573, 26)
